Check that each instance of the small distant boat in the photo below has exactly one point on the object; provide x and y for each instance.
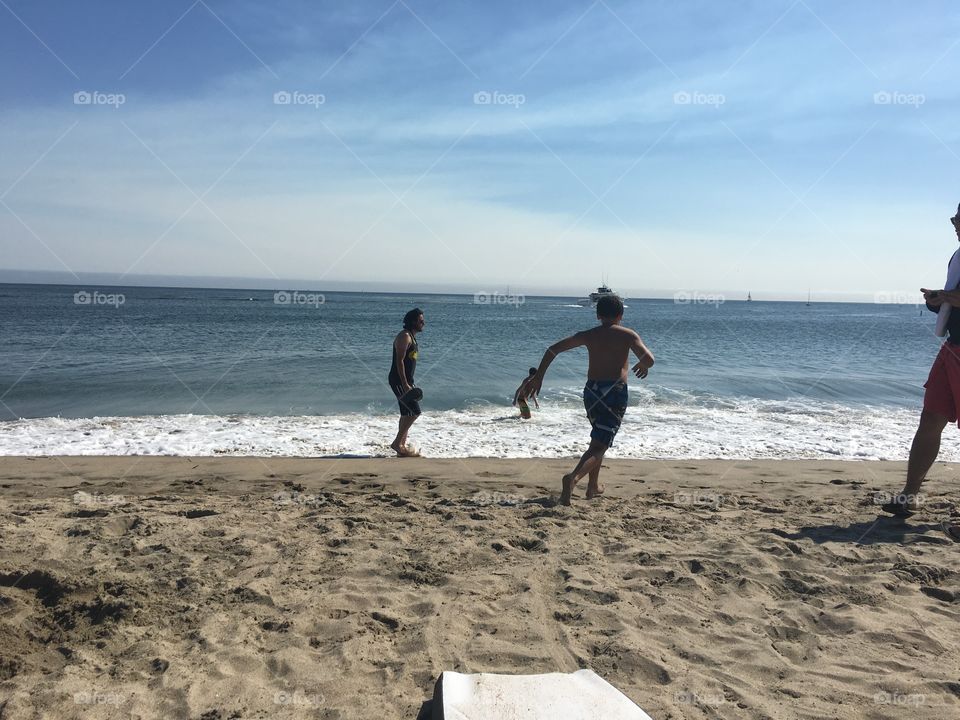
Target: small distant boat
(602, 291)
(808, 298)
(749, 298)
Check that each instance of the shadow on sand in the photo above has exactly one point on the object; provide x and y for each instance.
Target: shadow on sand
(885, 529)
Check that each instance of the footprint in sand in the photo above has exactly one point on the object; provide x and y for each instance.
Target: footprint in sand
(351, 477)
(422, 574)
(87, 513)
(248, 595)
(530, 545)
(599, 597)
(275, 626)
(193, 514)
(942, 594)
(120, 526)
(390, 622)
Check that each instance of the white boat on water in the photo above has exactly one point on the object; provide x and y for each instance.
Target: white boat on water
(602, 291)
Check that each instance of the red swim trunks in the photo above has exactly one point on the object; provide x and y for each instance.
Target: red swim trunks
(943, 386)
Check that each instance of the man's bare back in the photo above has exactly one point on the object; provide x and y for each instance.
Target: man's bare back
(609, 349)
(608, 346)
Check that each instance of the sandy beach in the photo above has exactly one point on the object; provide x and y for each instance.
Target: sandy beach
(340, 588)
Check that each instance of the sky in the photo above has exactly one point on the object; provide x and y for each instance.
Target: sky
(772, 146)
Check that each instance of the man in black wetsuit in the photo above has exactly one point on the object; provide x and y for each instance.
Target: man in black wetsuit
(941, 401)
(405, 352)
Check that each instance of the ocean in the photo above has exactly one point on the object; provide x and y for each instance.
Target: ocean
(173, 371)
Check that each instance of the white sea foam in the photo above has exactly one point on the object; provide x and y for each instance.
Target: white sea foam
(744, 429)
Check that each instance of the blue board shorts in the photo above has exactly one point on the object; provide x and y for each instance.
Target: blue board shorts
(606, 403)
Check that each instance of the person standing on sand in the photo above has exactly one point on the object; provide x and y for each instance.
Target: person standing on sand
(605, 394)
(942, 396)
(405, 354)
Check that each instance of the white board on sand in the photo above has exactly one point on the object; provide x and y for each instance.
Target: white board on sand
(582, 695)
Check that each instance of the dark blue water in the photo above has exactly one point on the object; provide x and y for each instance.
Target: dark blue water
(175, 351)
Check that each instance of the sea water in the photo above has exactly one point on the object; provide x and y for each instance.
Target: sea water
(173, 371)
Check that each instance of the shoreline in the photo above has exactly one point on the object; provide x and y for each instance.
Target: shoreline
(762, 430)
(63, 471)
(341, 588)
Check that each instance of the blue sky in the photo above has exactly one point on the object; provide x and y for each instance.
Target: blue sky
(774, 146)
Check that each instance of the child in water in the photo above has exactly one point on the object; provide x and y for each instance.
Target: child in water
(524, 393)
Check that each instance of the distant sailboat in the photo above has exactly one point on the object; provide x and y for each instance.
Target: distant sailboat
(808, 298)
(749, 299)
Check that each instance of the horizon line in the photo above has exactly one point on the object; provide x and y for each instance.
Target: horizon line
(698, 296)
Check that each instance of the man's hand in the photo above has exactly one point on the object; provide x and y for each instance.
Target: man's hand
(536, 381)
(406, 387)
(640, 371)
(934, 298)
(948, 296)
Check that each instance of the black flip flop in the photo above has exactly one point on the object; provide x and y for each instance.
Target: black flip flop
(414, 393)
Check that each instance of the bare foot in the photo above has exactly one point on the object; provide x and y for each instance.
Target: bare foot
(569, 482)
(593, 491)
(404, 451)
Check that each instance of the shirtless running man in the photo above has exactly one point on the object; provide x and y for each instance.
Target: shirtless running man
(605, 394)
